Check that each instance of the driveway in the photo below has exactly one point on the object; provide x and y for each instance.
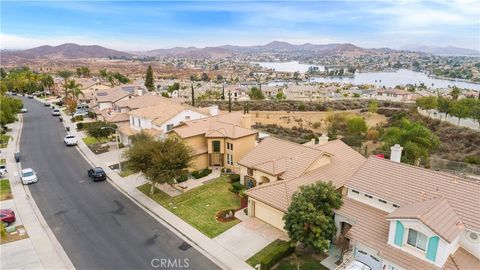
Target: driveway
(249, 237)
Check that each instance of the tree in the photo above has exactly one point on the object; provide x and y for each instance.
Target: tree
(9, 109)
(373, 106)
(256, 94)
(149, 79)
(356, 126)
(75, 89)
(160, 161)
(417, 140)
(48, 82)
(332, 132)
(444, 105)
(427, 103)
(461, 109)
(100, 129)
(309, 219)
(455, 93)
(475, 111)
(205, 77)
(280, 95)
(65, 74)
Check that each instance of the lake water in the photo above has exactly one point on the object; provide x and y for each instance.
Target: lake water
(387, 79)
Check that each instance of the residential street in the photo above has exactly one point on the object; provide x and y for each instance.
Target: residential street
(98, 227)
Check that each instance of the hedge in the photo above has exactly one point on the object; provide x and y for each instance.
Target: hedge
(237, 187)
(201, 173)
(234, 178)
(271, 254)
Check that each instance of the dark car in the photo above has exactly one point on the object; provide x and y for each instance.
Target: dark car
(97, 174)
(7, 216)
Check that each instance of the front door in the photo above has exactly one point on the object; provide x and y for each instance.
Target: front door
(216, 160)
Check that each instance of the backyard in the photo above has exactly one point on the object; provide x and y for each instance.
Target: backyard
(199, 206)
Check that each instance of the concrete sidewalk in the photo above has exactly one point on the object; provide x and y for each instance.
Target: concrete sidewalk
(42, 243)
(209, 247)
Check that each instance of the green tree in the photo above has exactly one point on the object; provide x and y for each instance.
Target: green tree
(417, 140)
(455, 93)
(309, 219)
(48, 82)
(475, 111)
(356, 126)
(444, 105)
(65, 74)
(160, 161)
(100, 129)
(461, 109)
(75, 89)
(149, 79)
(427, 103)
(332, 132)
(205, 77)
(280, 95)
(9, 109)
(373, 106)
(256, 94)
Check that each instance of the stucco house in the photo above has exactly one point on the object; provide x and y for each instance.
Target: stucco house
(398, 216)
(105, 99)
(276, 168)
(394, 95)
(219, 140)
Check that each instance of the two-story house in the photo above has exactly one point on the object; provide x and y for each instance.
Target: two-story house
(219, 140)
(398, 216)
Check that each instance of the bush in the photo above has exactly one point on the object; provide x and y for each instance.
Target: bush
(121, 145)
(201, 173)
(183, 177)
(271, 254)
(91, 115)
(237, 187)
(234, 178)
(80, 126)
(316, 124)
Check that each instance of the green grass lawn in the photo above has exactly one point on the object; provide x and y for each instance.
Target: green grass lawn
(306, 262)
(5, 191)
(91, 140)
(271, 254)
(199, 206)
(3, 161)
(4, 139)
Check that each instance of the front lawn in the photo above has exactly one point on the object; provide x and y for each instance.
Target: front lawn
(271, 254)
(90, 140)
(199, 205)
(3, 161)
(4, 139)
(305, 261)
(5, 191)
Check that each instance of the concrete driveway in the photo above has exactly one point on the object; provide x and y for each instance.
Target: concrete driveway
(248, 237)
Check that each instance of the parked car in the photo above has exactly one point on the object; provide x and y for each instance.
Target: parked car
(97, 174)
(7, 216)
(56, 112)
(3, 170)
(70, 140)
(30, 96)
(357, 265)
(80, 113)
(28, 176)
(24, 110)
(46, 104)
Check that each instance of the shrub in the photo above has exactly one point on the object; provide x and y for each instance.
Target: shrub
(234, 178)
(237, 187)
(271, 254)
(316, 124)
(183, 177)
(91, 115)
(80, 126)
(121, 145)
(373, 134)
(201, 173)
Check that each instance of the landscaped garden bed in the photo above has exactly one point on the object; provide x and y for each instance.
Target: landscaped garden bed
(271, 254)
(199, 206)
(18, 233)
(4, 139)
(5, 190)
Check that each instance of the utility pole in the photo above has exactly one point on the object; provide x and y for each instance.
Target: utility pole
(193, 97)
(229, 101)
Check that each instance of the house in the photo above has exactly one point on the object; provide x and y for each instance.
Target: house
(394, 95)
(157, 119)
(276, 168)
(219, 140)
(105, 99)
(398, 216)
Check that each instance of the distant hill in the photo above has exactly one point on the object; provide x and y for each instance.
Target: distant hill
(66, 51)
(450, 50)
(190, 52)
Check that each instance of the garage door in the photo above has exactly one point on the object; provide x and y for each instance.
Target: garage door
(372, 261)
(269, 215)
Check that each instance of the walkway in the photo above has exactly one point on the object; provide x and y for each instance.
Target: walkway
(249, 237)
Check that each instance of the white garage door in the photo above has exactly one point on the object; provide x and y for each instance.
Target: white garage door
(269, 215)
(372, 261)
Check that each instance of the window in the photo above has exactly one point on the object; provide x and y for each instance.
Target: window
(187, 117)
(229, 159)
(216, 146)
(169, 127)
(396, 206)
(368, 196)
(250, 171)
(417, 239)
(382, 201)
(139, 123)
(354, 191)
(229, 146)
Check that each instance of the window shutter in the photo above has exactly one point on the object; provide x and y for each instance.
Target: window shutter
(432, 248)
(399, 229)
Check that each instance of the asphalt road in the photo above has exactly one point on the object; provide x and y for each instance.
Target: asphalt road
(97, 226)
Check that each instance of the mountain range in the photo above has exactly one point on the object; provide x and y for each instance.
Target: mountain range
(75, 51)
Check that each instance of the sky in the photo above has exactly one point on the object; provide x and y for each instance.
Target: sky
(137, 26)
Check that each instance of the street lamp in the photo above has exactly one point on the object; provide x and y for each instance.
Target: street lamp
(117, 137)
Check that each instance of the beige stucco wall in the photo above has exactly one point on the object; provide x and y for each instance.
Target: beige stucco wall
(266, 213)
(210, 146)
(256, 174)
(199, 162)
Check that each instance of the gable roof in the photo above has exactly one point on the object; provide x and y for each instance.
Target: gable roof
(146, 100)
(214, 127)
(111, 95)
(436, 214)
(405, 184)
(343, 163)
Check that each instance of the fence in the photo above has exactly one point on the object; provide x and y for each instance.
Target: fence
(458, 168)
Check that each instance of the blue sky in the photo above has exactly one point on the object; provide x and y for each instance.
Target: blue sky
(135, 25)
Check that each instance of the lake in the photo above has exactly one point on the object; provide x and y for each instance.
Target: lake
(387, 79)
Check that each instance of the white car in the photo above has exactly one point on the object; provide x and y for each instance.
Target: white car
(3, 170)
(24, 110)
(56, 112)
(28, 176)
(357, 265)
(70, 140)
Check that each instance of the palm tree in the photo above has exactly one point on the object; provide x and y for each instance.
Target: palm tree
(65, 74)
(75, 89)
(48, 82)
(417, 140)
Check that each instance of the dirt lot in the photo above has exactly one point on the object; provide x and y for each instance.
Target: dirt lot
(309, 119)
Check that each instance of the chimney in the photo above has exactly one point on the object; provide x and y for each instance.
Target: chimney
(247, 121)
(139, 91)
(396, 153)
(323, 139)
(213, 110)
